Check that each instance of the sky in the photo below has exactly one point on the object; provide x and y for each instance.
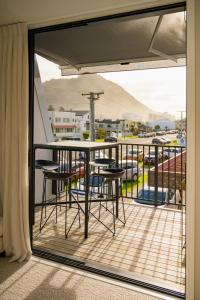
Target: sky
(163, 90)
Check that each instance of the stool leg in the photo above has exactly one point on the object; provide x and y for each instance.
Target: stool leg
(121, 195)
(43, 200)
(66, 219)
(123, 210)
(113, 205)
(79, 217)
(100, 209)
(56, 206)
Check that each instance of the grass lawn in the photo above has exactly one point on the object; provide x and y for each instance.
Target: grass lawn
(129, 137)
(129, 185)
(173, 143)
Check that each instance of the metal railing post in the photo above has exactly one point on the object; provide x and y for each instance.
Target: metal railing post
(156, 176)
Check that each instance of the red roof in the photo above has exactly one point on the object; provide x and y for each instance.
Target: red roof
(175, 164)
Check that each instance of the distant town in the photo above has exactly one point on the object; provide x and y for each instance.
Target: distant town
(75, 124)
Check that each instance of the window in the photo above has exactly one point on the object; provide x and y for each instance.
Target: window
(66, 120)
(57, 120)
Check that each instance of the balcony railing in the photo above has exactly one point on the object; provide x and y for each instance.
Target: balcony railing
(151, 243)
(154, 175)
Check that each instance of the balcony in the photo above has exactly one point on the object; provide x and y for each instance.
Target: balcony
(150, 247)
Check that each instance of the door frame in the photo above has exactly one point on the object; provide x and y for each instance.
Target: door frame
(51, 256)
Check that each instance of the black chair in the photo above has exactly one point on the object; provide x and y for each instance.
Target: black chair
(78, 195)
(52, 171)
(113, 192)
(101, 191)
(47, 165)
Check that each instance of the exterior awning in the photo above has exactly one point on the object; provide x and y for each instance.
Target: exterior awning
(124, 43)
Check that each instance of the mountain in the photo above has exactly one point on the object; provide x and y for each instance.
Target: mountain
(115, 103)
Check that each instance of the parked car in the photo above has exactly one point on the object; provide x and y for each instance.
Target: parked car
(98, 154)
(142, 134)
(149, 158)
(76, 166)
(165, 139)
(158, 141)
(150, 134)
(68, 138)
(165, 196)
(171, 152)
(159, 133)
(135, 154)
(132, 169)
(110, 139)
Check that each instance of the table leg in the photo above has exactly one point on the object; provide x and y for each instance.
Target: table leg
(87, 174)
(117, 182)
(70, 181)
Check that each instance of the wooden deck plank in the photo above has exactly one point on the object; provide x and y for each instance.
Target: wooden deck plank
(149, 244)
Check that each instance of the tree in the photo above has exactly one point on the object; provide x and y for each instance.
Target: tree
(86, 134)
(134, 128)
(51, 108)
(157, 128)
(100, 133)
(61, 108)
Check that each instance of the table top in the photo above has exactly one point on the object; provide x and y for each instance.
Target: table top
(76, 145)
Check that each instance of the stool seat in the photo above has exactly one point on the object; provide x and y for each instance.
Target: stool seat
(46, 164)
(112, 173)
(59, 175)
(102, 162)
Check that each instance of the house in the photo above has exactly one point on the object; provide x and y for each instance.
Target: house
(38, 14)
(63, 123)
(82, 120)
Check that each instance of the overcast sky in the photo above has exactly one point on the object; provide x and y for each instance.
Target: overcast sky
(162, 90)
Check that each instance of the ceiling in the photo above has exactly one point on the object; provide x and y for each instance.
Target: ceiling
(45, 12)
(122, 41)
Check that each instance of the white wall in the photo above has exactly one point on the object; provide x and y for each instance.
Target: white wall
(39, 13)
(44, 12)
(40, 138)
(193, 153)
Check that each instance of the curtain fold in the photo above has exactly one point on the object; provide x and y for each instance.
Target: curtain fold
(14, 140)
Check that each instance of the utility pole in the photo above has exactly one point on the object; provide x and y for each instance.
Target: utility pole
(92, 96)
(181, 111)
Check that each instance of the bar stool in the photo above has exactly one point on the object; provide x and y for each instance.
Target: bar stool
(113, 176)
(78, 195)
(51, 172)
(102, 162)
(47, 165)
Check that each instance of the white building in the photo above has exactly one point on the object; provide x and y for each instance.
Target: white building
(163, 123)
(63, 123)
(69, 124)
(82, 121)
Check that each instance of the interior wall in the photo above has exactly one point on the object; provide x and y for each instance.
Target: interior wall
(39, 13)
(193, 153)
(193, 220)
(43, 12)
(197, 154)
(40, 137)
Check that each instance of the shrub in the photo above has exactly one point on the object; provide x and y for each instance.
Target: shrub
(86, 135)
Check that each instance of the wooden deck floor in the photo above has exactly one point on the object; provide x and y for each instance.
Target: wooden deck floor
(148, 247)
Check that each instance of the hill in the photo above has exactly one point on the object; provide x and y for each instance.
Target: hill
(116, 103)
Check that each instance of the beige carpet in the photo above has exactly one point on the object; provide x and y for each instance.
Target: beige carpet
(40, 279)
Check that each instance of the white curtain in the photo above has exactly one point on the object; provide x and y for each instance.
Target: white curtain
(14, 140)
